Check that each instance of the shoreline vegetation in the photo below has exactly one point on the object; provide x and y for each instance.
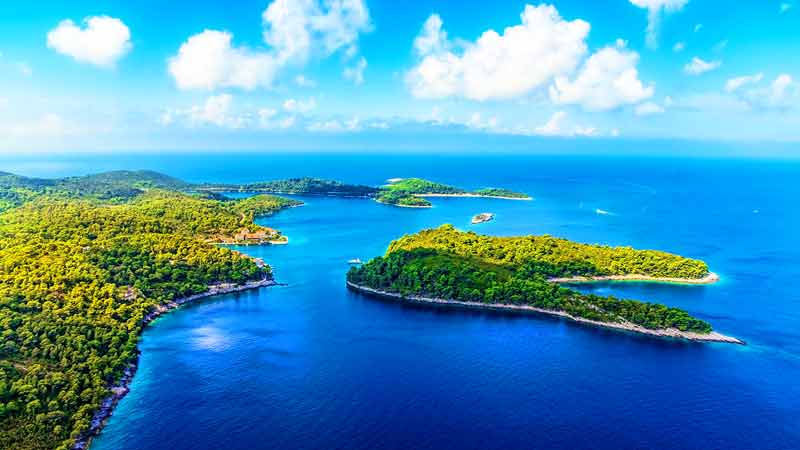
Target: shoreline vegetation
(525, 273)
(673, 333)
(709, 278)
(87, 262)
(121, 388)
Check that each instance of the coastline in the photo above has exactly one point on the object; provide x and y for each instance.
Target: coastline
(468, 194)
(661, 333)
(710, 278)
(121, 388)
(403, 206)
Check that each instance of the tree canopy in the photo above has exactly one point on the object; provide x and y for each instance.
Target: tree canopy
(78, 274)
(448, 264)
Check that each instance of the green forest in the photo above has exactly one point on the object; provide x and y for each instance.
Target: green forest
(554, 257)
(448, 264)
(305, 186)
(82, 262)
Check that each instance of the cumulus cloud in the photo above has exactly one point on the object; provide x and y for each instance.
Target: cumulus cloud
(735, 83)
(782, 93)
(355, 73)
(217, 110)
(655, 9)
(648, 109)
(497, 66)
(698, 66)
(293, 31)
(607, 80)
(208, 60)
(102, 41)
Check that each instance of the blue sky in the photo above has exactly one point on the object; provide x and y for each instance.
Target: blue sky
(373, 74)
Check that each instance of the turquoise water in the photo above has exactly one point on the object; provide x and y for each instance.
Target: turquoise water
(313, 366)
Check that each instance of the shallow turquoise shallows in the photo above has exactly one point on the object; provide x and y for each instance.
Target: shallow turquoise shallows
(313, 366)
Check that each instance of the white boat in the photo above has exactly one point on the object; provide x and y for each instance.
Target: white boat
(354, 261)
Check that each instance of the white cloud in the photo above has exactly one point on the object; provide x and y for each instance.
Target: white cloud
(293, 29)
(208, 61)
(655, 8)
(335, 126)
(355, 73)
(555, 126)
(270, 118)
(735, 83)
(648, 108)
(299, 106)
(476, 122)
(782, 93)
(216, 111)
(607, 80)
(698, 27)
(698, 66)
(497, 66)
(102, 42)
(784, 7)
(679, 47)
(432, 39)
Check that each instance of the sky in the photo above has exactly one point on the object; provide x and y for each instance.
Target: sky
(100, 75)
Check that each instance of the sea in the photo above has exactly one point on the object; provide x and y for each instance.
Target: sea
(310, 365)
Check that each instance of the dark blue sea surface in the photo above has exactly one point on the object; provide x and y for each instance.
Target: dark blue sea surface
(313, 366)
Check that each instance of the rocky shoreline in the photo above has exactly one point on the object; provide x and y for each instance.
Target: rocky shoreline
(629, 327)
(469, 194)
(121, 388)
(710, 278)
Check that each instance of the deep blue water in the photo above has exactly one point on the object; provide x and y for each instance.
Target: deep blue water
(313, 366)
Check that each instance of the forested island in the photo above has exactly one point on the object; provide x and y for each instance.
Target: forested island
(445, 266)
(85, 263)
(405, 192)
(410, 192)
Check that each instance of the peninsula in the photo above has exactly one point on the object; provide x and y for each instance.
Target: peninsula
(87, 263)
(447, 267)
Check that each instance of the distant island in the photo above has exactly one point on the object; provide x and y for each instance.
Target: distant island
(481, 218)
(410, 192)
(447, 267)
(87, 262)
(403, 192)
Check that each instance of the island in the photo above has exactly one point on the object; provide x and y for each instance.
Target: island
(481, 218)
(410, 192)
(447, 267)
(86, 263)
